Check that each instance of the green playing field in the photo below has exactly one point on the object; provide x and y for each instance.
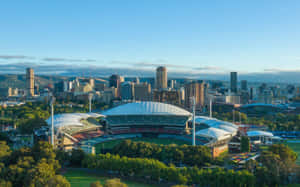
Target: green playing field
(79, 178)
(295, 146)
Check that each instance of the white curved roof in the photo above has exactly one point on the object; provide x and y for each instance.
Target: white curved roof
(217, 134)
(259, 133)
(218, 124)
(70, 119)
(147, 108)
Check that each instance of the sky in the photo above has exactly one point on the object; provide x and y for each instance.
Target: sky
(215, 36)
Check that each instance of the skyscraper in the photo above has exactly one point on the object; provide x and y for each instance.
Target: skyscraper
(244, 85)
(30, 82)
(197, 90)
(161, 81)
(233, 82)
(115, 81)
(127, 90)
(142, 92)
(167, 96)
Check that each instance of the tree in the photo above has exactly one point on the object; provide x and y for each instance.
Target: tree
(58, 181)
(41, 173)
(44, 150)
(4, 183)
(62, 156)
(245, 144)
(77, 156)
(285, 153)
(273, 165)
(28, 126)
(96, 184)
(4, 150)
(114, 183)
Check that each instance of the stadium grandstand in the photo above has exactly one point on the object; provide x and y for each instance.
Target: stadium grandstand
(71, 128)
(147, 118)
(214, 133)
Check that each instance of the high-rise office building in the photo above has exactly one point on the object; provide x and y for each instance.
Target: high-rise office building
(127, 91)
(29, 82)
(233, 82)
(115, 81)
(142, 92)
(251, 93)
(167, 96)
(161, 81)
(197, 90)
(171, 83)
(244, 85)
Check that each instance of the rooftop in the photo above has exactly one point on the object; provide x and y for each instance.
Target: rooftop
(147, 108)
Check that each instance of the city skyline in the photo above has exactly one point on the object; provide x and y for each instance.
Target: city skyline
(203, 37)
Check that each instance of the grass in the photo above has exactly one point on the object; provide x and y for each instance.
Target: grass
(295, 147)
(78, 178)
(164, 141)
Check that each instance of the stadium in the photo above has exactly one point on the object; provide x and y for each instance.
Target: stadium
(147, 118)
(153, 120)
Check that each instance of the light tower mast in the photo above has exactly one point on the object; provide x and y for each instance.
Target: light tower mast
(52, 119)
(90, 101)
(194, 111)
(210, 108)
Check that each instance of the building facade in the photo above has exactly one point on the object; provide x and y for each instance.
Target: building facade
(142, 92)
(30, 82)
(197, 90)
(161, 80)
(233, 82)
(167, 96)
(127, 91)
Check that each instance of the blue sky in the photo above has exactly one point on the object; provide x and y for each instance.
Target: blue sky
(206, 36)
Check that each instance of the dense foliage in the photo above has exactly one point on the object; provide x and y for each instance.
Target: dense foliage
(245, 144)
(277, 122)
(158, 171)
(275, 166)
(183, 154)
(109, 183)
(30, 167)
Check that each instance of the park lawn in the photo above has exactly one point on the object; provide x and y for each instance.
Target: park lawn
(295, 146)
(164, 141)
(78, 178)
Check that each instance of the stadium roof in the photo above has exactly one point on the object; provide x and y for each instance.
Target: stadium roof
(70, 119)
(259, 133)
(147, 108)
(217, 134)
(213, 122)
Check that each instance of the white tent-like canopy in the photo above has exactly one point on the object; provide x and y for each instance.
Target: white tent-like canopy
(214, 133)
(259, 133)
(217, 124)
(70, 119)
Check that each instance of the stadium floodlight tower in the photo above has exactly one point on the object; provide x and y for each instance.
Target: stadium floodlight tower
(194, 112)
(210, 108)
(90, 101)
(52, 101)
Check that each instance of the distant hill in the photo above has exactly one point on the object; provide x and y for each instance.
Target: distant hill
(19, 81)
